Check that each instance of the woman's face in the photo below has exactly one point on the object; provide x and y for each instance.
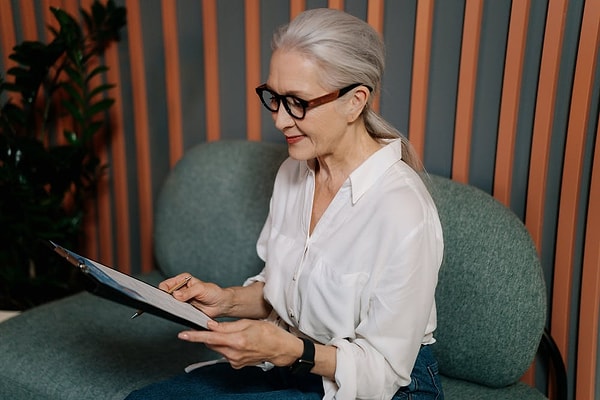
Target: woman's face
(323, 127)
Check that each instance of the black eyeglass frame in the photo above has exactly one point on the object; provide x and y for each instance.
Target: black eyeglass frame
(305, 104)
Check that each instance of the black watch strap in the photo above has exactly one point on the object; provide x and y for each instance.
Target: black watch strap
(306, 362)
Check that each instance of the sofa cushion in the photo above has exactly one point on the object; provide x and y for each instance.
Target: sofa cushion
(85, 347)
(455, 389)
(212, 208)
(491, 295)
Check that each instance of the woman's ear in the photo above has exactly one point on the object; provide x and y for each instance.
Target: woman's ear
(358, 102)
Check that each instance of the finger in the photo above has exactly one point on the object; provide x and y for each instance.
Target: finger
(172, 282)
(207, 337)
(229, 327)
(195, 288)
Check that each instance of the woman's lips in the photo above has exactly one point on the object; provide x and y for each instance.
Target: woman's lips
(294, 139)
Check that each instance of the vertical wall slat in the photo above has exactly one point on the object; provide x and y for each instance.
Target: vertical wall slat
(253, 56)
(30, 32)
(296, 7)
(28, 20)
(172, 83)
(68, 122)
(375, 15)
(589, 314)
(375, 19)
(467, 81)
(141, 127)
(509, 106)
(104, 221)
(420, 75)
(211, 69)
(543, 119)
(581, 98)
(93, 231)
(48, 18)
(336, 4)
(7, 33)
(118, 166)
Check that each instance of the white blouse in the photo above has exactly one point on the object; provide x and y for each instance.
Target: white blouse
(365, 280)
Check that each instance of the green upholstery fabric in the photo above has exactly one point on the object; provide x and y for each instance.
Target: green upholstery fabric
(210, 211)
(85, 347)
(212, 208)
(490, 297)
(455, 389)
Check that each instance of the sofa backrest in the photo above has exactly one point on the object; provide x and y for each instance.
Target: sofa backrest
(212, 207)
(490, 297)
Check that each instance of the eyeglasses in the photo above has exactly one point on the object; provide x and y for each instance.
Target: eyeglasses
(293, 105)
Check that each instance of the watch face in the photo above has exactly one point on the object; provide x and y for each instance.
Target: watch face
(301, 367)
(306, 362)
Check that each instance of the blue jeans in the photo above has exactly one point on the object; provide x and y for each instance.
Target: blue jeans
(223, 382)
(425, 381)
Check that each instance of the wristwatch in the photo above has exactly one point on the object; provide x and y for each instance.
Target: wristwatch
(306, 362)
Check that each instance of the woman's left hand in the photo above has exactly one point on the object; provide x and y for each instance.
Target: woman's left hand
(248, 342)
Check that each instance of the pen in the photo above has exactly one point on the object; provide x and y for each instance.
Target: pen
(177, 287)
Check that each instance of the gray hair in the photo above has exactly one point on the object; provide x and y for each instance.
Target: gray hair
(347, 50)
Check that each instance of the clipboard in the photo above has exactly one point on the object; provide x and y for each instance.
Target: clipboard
(106, 282)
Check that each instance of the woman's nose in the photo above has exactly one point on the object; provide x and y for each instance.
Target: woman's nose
(282, 119)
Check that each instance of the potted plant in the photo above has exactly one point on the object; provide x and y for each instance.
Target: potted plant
(46, 183)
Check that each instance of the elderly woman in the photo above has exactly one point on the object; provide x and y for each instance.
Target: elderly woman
(344, 307)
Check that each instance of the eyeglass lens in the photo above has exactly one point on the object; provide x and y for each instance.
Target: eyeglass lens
(292, 104)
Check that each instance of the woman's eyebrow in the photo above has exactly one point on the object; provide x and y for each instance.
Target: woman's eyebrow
(292, 93)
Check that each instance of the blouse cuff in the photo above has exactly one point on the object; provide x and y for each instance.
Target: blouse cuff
(345, 372)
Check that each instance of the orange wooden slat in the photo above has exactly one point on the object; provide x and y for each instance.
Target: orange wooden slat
(94, 244)
(140, 119)
(49, 20)
(467, 81)
(7, 33)
(105, 221)
(118, 167)
(509, 106)
(420, 75)
(8, 40)
(91, 225)
(589, 311)
(336, 4)
(252, 43)
(211, 69)
(543, 122)
(375, 19)
(28, 20)
(68, 123)
(375, 15)
(296, 7)
(581, 98)
(543, 119)
(172, 81)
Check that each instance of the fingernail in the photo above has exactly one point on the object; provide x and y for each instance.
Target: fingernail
(211, 324)
(183, 335)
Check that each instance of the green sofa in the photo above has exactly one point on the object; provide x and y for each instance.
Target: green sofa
(491, 297)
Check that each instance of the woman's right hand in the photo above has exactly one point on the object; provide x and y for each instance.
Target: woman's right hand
(208, 297)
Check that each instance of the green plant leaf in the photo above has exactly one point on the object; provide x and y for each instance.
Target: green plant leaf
(71, 137)
(34, 176)
(76, 76)
(99, 89)
(74, 93)
(98, 70)
(70, 33)
(98, 107)
(73, 111)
